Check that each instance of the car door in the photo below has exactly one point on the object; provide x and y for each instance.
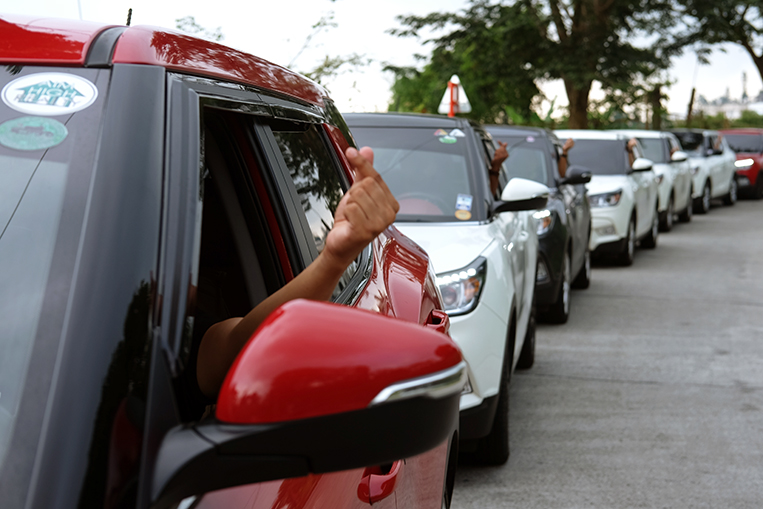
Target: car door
(716, 162)
(645, 194)
(254, 184)
(681, 174)
(577, 210)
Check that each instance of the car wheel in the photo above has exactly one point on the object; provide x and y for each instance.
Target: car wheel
(559, 311)
(494, 448)
(527, 355)
(629, 248)
(650, 241)
(583, 279)
(757, 192)
(685, 216)
(732, 195)
(667, 222)
(703, 202)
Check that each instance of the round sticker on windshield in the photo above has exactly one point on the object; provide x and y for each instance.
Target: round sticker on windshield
(49, 94)
(447, 139)
(32, 133)
(463, 215)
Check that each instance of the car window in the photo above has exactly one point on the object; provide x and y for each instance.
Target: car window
(527, 158)
(692, 143)
(745, 142)
(318, 179)
(602, 157)
(654, 149)
(426, 169)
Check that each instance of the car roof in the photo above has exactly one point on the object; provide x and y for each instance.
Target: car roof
(743, 130)
(63, 42)
(704, 132)
(641, 133)
(402, 119)
(590, 134)
(512, 130)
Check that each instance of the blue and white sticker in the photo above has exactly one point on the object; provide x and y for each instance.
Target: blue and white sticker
(457, 133)
(464, 202)
(49, 94)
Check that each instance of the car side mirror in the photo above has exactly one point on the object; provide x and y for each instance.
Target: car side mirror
(679, 156)
(318, 388)
(576, 175)
(642, 164)
(522, 194)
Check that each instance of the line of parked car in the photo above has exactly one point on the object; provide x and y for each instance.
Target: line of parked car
(154, 184)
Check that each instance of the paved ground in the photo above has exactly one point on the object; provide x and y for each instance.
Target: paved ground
(652, 394)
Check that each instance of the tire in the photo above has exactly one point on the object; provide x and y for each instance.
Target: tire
(731, 197)
(650, 241)
(702, 204)
(625, 257)
(583, 279)
(666, 224)
(685, 216)
(493, 449)
(559, 311)
(527, 355)
(757, 191)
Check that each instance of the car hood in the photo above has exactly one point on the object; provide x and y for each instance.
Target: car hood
(450, 246)
(606, 183)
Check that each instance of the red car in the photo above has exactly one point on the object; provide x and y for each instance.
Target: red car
(748, 145)
(153, 184)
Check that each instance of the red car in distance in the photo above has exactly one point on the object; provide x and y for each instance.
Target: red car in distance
(748, 145)
(153, 184)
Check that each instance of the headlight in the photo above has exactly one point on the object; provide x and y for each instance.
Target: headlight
(544, 220)
(744, 164)
(605, 199)
(461, 289)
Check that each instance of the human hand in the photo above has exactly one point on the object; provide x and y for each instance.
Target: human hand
(631, 143)
(501, 154)
(568, 145)
(365, 211)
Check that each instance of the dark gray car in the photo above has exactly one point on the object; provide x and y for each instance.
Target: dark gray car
(564, 226)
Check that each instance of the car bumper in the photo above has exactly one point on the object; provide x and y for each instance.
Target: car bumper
(608, 225)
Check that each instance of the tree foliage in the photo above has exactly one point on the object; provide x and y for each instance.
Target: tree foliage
(509, 46)
(188, 25)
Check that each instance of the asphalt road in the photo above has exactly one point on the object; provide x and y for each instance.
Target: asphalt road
(652, 394)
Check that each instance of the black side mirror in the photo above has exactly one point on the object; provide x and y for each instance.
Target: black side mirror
(576, 175)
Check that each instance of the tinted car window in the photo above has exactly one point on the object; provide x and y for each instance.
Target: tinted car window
(745, 142)
(691, 143)
(602, 157)
(426, 169)
(654, 149)
(314, 174)
(527, 158)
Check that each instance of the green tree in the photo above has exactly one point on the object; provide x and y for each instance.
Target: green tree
(719, 21)
(188, 25)
(578, 41)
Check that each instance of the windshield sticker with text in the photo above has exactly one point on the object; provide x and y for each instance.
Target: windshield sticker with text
(32, 133)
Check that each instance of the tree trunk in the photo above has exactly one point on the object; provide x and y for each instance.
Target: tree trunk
(578, 99)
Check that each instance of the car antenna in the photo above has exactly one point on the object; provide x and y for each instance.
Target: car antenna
(129, 16)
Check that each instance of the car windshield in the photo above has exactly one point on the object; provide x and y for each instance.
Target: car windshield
(37, 156)
(752, 143)
(602, 157)
(654, 149)
(691, 143)
(527, 158)
(426, 169)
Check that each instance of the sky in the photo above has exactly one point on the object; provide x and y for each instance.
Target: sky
(277, 31)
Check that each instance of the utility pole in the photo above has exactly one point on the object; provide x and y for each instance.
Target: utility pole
(691, 105)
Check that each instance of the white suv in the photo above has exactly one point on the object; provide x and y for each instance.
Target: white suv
(712, 166)
(674, 178)
(623, 196)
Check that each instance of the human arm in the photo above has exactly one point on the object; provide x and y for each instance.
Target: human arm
(563, 162)
(629, 147)
(500, 155)
(366, 210)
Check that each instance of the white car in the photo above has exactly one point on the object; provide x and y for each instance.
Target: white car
(484, 250)
(674, 178)
(712, 166)
(623, 196)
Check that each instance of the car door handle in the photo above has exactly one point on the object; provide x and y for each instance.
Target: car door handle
(438, 321)
(375, 485)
